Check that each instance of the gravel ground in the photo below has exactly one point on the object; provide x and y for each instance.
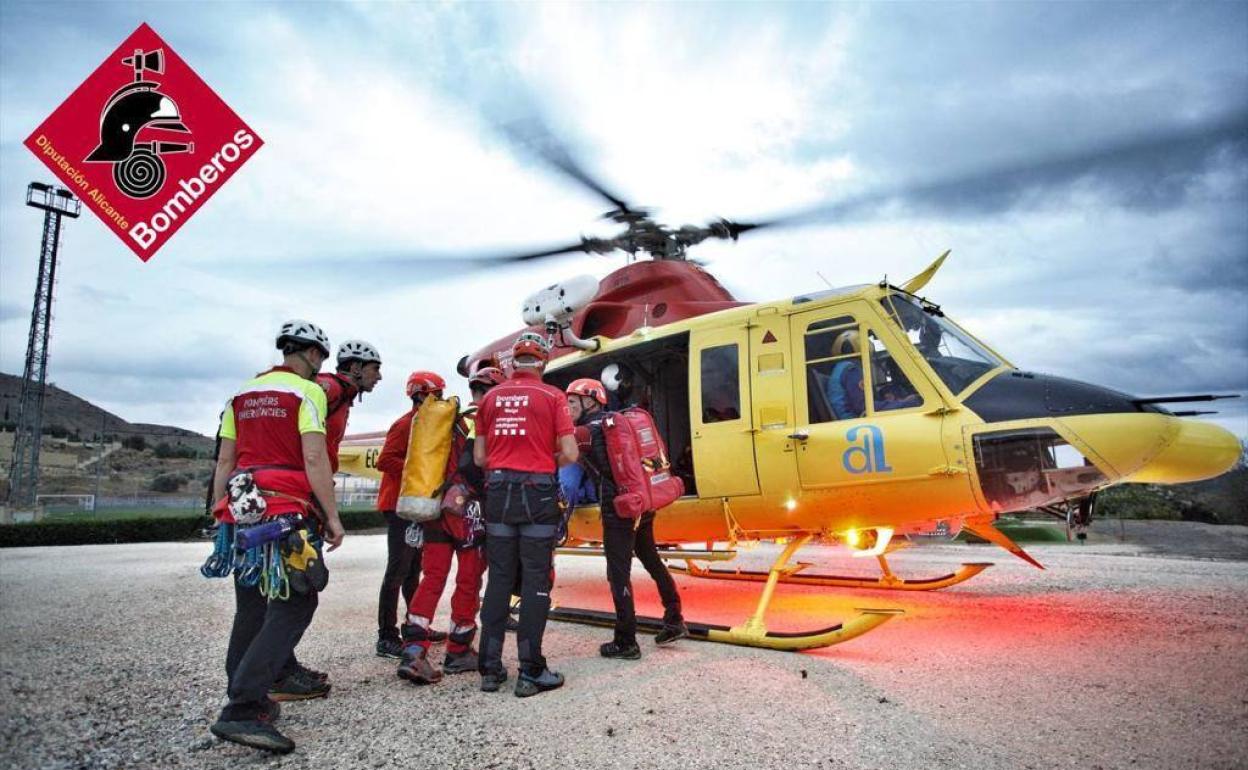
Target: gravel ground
(1116, 656)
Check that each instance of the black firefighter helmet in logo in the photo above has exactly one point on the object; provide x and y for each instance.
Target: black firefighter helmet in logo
(137, 167)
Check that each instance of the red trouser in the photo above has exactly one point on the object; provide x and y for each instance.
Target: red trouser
(435, 567)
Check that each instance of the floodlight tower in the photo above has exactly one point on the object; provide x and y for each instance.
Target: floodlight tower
(24, 470)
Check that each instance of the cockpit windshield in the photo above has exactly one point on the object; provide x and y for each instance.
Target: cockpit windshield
(956, 358)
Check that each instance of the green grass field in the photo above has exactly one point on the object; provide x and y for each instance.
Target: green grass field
(120, 514)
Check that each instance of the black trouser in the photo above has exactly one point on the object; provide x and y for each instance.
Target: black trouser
(521, 523)
(262, 645)
(402, 574)
(620, 541)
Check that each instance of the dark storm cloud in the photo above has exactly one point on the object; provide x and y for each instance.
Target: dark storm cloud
(1151, 172)
(1218, 264)
(976, 110)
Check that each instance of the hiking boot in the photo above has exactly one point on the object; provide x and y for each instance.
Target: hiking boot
(532, 684)
(389, 648)
(255, 733)
(311, 673)
(460, 662)
(295, 686)
(620, 651)
(436, 636)
(670, 634)
(416, 667)
(492, 680)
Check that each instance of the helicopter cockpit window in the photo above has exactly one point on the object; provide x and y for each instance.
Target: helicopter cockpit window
(721, 387)
(834, 388)
(889, 387)
(956, 358)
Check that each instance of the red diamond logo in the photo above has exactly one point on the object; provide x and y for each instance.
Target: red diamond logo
(144, 142)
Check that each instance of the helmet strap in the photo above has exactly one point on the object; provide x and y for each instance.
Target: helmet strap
(353, 372)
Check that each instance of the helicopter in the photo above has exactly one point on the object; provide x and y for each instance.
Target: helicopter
(860, 415)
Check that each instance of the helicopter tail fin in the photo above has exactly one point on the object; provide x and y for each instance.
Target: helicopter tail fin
(920, 280)
(984, 528)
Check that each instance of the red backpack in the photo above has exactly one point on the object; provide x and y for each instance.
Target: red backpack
(639, 464)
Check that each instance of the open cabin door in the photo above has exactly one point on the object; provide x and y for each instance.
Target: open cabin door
(720, 413)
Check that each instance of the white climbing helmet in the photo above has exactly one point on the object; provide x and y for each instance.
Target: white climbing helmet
(358, 350)
(305, 332)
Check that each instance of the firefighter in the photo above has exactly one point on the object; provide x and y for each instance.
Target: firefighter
(522, 425)
(621, 537)
(402, 559)
(274, 463)
(358, 371)
(457, 533)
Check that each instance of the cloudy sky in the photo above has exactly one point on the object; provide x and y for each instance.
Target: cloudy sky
(1086, 163)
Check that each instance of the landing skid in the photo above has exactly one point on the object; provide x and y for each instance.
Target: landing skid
(887, 580)
(771, 640)
(753, 632)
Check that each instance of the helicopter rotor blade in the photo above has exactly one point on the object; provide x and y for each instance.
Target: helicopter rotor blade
(535, 137)
(527, 257)
(1155, 155)
(470, 261)
(431, 265)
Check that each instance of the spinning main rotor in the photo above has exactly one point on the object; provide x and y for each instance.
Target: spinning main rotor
(1162, 152)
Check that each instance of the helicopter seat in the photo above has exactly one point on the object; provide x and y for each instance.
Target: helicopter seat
(817, 395)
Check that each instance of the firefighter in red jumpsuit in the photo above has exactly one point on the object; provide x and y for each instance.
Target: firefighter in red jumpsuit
(402, 559)
(458, 533)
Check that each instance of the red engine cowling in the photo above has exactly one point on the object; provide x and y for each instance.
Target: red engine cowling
(639, 463)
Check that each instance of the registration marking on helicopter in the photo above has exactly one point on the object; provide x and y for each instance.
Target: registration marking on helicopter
(144, 142)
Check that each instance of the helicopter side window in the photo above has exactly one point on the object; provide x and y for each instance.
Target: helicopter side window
(890, 389)
(834, 389)
(721, 387)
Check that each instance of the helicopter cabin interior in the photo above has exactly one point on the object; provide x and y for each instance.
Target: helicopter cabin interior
(655, 376)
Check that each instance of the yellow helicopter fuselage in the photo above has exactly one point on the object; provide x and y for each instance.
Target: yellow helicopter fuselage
(755, 428)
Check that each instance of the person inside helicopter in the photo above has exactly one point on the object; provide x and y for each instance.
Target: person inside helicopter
(625, 387)
(956, 357)
(845, 389)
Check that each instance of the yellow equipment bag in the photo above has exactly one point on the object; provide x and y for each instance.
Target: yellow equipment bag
(424, 470)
